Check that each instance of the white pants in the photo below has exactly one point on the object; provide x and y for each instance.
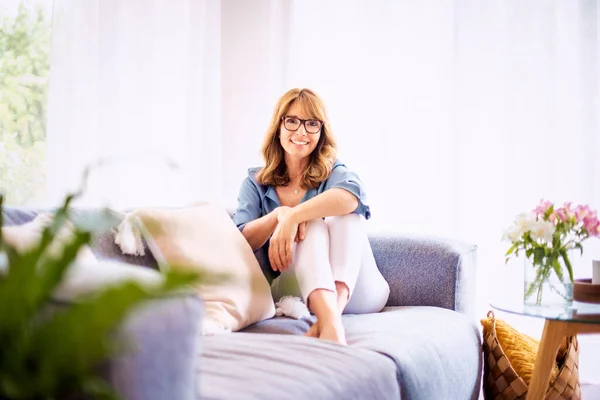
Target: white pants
(335, 249)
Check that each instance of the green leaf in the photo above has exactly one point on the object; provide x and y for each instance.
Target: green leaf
(528, 253)
(512, 248)
(557, 269)
(16, 289)
(33, 276)
(182, 275)
(99, 389)
(555, 242)
(565, 257)
(1, 221)
(53, 271)
(538, 256)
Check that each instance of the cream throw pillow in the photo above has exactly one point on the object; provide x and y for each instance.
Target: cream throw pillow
(204, 237)
(26, 236)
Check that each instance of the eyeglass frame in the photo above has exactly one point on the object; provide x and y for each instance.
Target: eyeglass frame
(303, 123)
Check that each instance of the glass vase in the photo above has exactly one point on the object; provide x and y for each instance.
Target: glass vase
(544, 287)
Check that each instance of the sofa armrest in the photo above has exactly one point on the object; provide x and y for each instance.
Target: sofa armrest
(161, 360)
(428, 271)
(161, 338)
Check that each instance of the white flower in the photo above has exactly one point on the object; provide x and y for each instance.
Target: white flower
(543, 230)
(526, 221)
(512, 233)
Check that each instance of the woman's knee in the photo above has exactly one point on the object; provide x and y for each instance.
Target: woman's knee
(316, 227)
(346, 222)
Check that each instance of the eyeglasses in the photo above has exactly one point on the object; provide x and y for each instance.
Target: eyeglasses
(310, 125)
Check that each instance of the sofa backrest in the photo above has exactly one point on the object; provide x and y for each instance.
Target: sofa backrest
(102, 245)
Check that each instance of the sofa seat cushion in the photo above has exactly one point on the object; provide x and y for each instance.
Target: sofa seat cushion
(258, 366)
(437, 351)
(282, 325)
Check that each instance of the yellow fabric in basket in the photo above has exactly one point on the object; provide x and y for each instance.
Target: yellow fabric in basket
(520, 349)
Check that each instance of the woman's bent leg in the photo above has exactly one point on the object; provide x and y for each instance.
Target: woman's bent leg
(353, 266)
(310, 269)
(310, 276)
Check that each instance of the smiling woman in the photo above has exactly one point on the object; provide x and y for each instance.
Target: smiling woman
(307, 210)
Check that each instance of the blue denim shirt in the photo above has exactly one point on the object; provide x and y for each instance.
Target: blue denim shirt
(256, 200)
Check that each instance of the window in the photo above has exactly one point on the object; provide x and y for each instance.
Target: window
(25, 28)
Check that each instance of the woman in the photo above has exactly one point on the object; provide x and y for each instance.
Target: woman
(309, 210)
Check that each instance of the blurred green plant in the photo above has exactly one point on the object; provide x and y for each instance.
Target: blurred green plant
(54, 355)
(25, 40)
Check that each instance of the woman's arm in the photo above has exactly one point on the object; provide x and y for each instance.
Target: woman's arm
(258, 231)
(330, 203)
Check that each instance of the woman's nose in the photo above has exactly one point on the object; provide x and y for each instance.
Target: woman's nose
(301, 130)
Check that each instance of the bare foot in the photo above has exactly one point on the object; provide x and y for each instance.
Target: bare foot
(334, 332)
(328, 330)
(313, 331)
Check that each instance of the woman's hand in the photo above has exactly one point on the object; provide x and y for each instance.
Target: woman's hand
(284, 236)
(281, 211)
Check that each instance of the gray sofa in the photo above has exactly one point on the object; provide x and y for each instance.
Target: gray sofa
(424, 345)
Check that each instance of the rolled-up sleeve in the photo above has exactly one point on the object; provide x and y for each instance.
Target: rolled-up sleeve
(342, 177)
(248, 208)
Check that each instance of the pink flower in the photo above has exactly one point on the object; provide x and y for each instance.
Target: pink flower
(542, 207)
(591, 224)
(581, 212)
(562, 214)
(565, 213)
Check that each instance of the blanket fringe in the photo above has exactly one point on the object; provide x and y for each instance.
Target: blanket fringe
(129, 236)
(291, 306)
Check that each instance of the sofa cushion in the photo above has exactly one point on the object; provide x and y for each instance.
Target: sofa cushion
(437, 351)
(255, 366)
(203, 238)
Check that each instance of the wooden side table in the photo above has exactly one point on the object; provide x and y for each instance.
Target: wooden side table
(554, 333)
(579, 318)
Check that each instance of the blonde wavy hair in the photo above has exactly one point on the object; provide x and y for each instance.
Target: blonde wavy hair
(322, 158)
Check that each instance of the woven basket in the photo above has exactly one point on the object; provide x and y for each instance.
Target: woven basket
(500, 378)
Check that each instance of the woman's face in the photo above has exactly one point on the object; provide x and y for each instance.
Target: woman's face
(299, 134)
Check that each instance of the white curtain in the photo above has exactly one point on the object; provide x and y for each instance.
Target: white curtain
(140, 81)
(458, 115)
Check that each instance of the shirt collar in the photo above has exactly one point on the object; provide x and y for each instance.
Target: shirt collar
(272, 194)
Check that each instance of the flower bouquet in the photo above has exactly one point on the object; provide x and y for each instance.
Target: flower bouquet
(547, 235)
